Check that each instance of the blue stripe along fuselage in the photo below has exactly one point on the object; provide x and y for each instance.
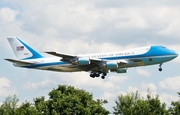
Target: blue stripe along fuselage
(154, 52)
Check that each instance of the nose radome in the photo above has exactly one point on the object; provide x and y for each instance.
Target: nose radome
(174, 53)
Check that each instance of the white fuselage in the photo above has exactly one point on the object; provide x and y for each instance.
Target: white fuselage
(134, 57)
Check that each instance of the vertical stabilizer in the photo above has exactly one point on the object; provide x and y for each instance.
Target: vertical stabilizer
(22, 50)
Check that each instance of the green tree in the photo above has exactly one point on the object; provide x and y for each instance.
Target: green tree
(130, 104)
(41, 105)
(155, 105)
(68, 100)
(9, 105)
(134, 104)
(65, 100)
(27, 108)
(175, 107)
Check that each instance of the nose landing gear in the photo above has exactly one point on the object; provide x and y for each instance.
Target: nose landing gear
(160, 69)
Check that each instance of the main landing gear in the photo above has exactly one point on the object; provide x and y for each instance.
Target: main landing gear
(103, 75)
(97, 74)
(160, 69)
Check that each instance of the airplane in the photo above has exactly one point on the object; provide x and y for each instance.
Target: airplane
(98, 64)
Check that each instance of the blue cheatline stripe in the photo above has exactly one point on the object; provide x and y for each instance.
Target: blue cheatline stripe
(34, 53)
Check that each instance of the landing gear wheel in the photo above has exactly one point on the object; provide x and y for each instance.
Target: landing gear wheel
(92, 75)
(97, 75)
(102, 77)
(104, 74)
(160, 69)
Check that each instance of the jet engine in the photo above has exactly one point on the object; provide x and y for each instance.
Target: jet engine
(111, 65)
(121, 70)
(83, 61)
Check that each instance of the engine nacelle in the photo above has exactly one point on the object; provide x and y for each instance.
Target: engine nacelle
(83, 61)
(111, 65)
(121, 70)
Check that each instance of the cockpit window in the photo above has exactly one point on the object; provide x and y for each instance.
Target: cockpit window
(163, 47)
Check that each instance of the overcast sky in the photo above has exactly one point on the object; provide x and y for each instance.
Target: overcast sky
(83, 26)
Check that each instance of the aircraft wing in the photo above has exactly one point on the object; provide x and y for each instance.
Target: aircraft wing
(68, 57)
(122, 61)
(119, 62)
(19, 61)
(63, 55)
(96, 60)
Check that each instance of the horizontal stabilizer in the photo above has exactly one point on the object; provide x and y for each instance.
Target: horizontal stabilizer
(19, 61)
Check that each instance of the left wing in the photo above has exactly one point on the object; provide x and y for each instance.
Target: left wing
(73, 58)
(63, 55)
(70, 58)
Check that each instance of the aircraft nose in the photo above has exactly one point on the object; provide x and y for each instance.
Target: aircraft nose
(174, 53)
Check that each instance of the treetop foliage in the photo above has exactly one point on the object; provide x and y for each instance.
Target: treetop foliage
(134, 104)
(65, 100)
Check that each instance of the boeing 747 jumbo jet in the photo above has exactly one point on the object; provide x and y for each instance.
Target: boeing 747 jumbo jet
(98, 64)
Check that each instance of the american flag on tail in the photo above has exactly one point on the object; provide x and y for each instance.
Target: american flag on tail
(20, 48)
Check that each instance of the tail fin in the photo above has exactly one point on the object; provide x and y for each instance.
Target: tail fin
(22, 50)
